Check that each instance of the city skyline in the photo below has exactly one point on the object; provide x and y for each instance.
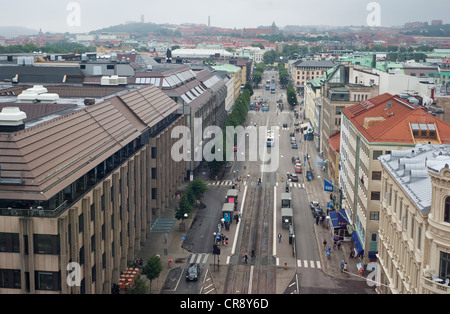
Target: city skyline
(83, 16)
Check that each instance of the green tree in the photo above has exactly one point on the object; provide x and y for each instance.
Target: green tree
(139, 287)
(269, 57)
(152, 268)
(198, 187)
(291, 96)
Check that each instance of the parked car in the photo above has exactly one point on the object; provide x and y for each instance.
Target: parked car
(193, 272)
(295, 160)
(285, 125)
(294, 146)
(314, 204)
(298, 168)
(292, 134)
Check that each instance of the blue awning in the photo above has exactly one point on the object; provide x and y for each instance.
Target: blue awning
(358, 245)
(338, 219)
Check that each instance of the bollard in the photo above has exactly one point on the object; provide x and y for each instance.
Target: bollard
(285, 266)
(170, 263)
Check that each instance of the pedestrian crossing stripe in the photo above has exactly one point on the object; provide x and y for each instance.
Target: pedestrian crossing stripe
(308, 264)
(199, 258)
(229, 183)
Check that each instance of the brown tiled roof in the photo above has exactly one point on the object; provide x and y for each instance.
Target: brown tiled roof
(54, 154)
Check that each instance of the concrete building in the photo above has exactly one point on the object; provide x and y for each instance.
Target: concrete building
(199, 92)
(414, 230)
(370, 129)
(303, 71)
(80, 183)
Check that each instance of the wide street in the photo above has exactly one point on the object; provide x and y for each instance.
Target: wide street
(289, 265)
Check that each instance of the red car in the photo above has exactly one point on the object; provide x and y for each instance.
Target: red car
(298, 168)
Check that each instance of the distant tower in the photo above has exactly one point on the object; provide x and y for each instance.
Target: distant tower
(209, 21)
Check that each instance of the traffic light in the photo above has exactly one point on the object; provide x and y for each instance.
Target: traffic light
(216, 249)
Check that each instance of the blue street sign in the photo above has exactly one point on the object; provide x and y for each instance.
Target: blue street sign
(327, 186)
(183, 237)
(218, 237)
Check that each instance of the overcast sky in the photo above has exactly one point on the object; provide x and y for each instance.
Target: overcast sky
(86, 15)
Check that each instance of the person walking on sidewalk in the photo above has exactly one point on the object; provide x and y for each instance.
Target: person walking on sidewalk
(325, 243)
(279, 237)
(245, 257)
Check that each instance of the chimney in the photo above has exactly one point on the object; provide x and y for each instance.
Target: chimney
(11, 119)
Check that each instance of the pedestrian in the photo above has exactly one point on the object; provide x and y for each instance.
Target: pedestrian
(324, 243)
(253, 253)
(334, 245)
(226, 240)
(245, 257)
(279, 237)
(165, 237)
(339, 244)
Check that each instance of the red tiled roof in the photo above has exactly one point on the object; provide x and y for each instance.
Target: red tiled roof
(335, 141)
(387, 119)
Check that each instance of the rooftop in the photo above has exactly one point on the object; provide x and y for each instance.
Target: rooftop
(391, 119)
(410, 169)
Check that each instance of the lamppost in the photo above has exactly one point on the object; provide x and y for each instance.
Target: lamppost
(182, 226)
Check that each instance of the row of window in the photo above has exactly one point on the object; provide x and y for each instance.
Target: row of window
(42, 243)
(44, 280)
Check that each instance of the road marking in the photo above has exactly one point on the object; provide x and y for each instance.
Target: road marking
(233, 249)
(250, 283)
(312, 264)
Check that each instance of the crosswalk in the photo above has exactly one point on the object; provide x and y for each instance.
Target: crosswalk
(308, 264)
(245, 183)
(199, 258)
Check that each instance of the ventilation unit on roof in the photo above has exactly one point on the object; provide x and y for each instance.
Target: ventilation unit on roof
(11, 119)
(113, 80)
(37, 93)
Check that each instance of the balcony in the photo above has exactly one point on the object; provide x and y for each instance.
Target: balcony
(434, 287)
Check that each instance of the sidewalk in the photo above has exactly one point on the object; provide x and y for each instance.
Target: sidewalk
(331, 264)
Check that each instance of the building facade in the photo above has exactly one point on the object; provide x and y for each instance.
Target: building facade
(370, 129)
(414, 245)
(83, 188)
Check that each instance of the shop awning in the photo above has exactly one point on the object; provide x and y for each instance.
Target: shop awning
(358, 245)
(338, 219)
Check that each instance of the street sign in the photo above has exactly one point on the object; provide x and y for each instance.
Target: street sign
(327, 186)
(183, 237)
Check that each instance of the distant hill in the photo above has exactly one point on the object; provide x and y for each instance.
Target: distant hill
(14, 31)
(140, 28)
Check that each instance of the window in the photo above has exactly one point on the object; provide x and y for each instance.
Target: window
(444, 265)
(46, 280)
(375, 196)
(376, 154)
(46, 244)
(376, 175)
(110, 66)
(447, 210)
(9, 242)
(10, 278)
(374, 215)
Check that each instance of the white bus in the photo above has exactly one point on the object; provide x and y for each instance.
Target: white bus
(270, 138)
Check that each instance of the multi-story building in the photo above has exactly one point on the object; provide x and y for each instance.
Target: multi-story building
(370, 129)
(80, 183)
(414, 230)
(303, 71)
(339, 92)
